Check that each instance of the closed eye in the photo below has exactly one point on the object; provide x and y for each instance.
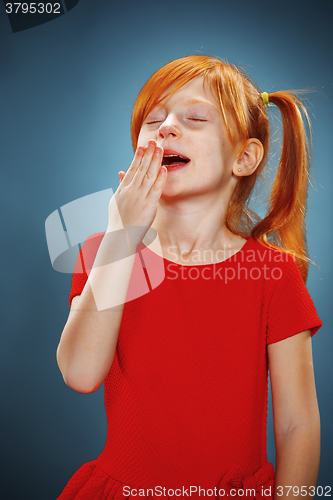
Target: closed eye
(156, 121)
(197, 119)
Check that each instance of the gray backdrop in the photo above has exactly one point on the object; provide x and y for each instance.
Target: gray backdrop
(67, 88)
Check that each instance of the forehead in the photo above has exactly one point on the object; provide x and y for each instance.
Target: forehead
(192, 91)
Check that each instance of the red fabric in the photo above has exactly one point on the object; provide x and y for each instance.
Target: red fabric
(186, 396)
(262, 483)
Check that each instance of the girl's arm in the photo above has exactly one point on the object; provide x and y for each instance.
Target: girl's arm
(88, 342)
(296, 417)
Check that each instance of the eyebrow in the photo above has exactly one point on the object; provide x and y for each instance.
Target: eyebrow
(200, 101)
(193, 101)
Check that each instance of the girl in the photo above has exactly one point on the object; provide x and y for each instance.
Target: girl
(184, 355)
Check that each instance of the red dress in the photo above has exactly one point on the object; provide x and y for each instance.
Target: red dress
(186, 396)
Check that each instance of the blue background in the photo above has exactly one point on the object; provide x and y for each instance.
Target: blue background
(67, 89)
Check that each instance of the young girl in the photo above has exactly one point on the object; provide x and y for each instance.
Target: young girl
(187, 298)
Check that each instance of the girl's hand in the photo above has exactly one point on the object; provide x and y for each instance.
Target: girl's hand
(121, 175)
(139, 191)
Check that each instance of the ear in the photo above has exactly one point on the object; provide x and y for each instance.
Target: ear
(249, 159)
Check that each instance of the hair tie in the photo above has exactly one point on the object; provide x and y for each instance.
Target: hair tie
(265, 98)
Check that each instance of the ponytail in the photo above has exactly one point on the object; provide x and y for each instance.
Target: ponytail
(285, 221)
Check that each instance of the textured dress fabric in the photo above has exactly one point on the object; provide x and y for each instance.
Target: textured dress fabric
(186, 395)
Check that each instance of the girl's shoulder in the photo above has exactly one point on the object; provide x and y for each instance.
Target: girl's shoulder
(272, 256)
(92, 243)
(95, 238)
(288, 304)
(277, 268)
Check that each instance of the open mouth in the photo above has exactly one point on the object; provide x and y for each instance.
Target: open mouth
(173, 160)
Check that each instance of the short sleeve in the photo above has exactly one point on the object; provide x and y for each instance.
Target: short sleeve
(291, 309)
(84, 263)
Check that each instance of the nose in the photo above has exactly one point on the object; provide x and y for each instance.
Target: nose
(169, 128)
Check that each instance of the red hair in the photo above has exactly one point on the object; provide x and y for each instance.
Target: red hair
(240, 100)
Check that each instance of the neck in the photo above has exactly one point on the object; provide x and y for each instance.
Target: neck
(186, 227)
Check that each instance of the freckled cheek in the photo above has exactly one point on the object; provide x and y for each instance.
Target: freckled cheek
(145, 137)
(141, 139)
(212, 151)
(200, 153)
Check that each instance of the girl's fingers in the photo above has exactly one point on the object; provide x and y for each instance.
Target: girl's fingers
(153, 169)
(145, 163)
(144, 167)
(128, 177)
(121, 175)
(155, 191)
